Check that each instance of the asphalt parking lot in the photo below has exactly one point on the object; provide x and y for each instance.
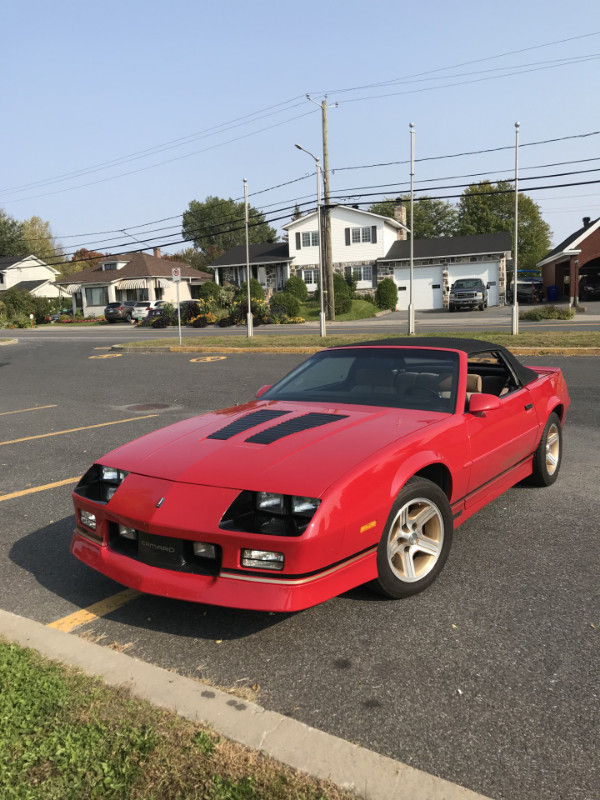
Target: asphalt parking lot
(489, 679)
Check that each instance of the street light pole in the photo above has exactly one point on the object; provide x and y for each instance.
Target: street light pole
(515, 308)
(411, 307)
(322, 330)
(250, 330)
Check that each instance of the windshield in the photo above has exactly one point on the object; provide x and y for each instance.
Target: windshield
(392, 377)
(473, 283)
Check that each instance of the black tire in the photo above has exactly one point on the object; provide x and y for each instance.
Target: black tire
(451, 309)
(548, 455)
(481, 306)
(410, 555)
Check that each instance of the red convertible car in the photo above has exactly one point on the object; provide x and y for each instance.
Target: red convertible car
(356, 467)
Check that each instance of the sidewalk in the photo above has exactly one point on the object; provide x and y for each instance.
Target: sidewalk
(353, 768)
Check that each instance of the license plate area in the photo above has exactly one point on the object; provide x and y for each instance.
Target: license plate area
(160, 551)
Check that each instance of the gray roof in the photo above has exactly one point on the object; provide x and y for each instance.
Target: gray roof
(9, 261)
(29, 286)
(267, 253)
(447, 246)
(139, 265)
(564, 245)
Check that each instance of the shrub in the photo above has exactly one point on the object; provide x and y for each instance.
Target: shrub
(548, 312)
(296, 286)
(386, 294)
(210, 291)
(226, 295)
(351, 281)
(341, 293)
(225, 322)
(285, 303)
(160, 322)
(368, 297)
(256, 291)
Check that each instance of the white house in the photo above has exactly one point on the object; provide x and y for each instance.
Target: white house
(372, 247)
(131, 276)
(358, 239)
(30, 274)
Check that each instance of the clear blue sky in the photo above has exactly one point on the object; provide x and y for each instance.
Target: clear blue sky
(215, 92)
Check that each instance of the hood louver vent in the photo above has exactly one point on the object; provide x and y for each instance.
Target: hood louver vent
(245, 423)
(291, 426)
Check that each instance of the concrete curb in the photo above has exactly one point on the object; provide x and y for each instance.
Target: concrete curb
(353, 768)
(8, 341)
(518, 350)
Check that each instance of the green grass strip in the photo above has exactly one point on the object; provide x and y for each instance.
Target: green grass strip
(66, 736)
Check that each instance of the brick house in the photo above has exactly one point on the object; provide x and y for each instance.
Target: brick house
(573, 267)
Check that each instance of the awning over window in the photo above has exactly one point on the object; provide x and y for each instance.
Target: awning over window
(72, 288)
(133, 283)
(161, 283)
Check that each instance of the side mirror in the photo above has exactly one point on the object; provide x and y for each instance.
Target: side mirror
(488, 286)
(263, 389)
(480, 403)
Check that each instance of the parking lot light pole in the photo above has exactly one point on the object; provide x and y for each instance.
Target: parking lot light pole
(411, 307)
(249, 325)
(515, 308)
(322, 329)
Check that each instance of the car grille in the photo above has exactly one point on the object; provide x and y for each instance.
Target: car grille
(164, 552)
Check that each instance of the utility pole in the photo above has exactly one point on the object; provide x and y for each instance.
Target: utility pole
(326, 224)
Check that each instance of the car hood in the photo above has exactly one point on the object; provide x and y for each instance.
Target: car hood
(298, 448)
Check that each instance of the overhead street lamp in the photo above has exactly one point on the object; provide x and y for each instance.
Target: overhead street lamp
(321, 285)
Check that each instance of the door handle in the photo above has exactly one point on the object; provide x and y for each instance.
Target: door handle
(529, 406)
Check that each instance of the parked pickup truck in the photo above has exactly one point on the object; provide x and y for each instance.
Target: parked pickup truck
(468, 293)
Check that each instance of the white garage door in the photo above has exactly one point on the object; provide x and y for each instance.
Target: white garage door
(427, 287)
(488, 272)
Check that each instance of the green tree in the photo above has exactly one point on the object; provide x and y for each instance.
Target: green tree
(432, 218)
(81, 259)
(488, 208)
(11, 236)
(220, 223)
(386, 294)
(39, 241)
(197, 259)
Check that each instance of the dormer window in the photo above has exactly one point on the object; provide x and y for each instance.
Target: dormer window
(109, 265)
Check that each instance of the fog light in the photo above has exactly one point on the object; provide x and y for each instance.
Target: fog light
(127, 533)
(88, 519)
(263, 559)
(204, 550)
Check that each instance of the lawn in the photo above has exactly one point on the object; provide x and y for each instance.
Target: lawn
(66, 736)
(312, 342)
(360, 310)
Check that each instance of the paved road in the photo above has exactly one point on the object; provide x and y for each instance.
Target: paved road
(396, 323)
(489, 679)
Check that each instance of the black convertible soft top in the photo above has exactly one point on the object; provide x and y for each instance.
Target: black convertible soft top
(469, 346)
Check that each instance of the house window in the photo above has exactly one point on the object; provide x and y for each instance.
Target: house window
(363, 272)
(97, 296)
(109, 265)
(1, 277)
(310, 275)
(358, 235)
(310, 239)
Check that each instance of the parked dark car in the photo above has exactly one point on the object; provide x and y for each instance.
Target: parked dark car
(122, 311)
(590, 292)
(468, 293)
(531, 291)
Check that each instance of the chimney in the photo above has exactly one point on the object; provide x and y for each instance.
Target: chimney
(157, 252)
(400, 216)
(586, 221)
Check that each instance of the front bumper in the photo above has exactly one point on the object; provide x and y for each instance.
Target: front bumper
(258, 591)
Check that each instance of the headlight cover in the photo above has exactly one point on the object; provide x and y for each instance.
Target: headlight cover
(270, 513)
(100, 483)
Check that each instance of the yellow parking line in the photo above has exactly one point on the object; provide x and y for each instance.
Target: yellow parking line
(35, 489)
(74, 430)
(22, 410)
(93, 612)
